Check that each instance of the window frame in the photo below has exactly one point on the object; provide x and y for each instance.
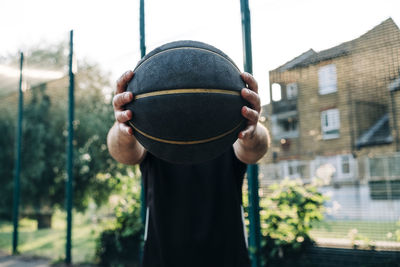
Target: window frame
(327, 79)
(330, 124)
(292, 91)
(278, 132)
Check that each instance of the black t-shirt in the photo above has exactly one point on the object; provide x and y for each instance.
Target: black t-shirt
(194, 213)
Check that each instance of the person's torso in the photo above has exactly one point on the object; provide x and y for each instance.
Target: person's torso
(194, 214)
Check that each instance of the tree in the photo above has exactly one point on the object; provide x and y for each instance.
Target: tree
(52, 56)
(40, 146)
(43, 173)
(7, 137)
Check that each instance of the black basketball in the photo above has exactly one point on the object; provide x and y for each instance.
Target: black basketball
(187, 102)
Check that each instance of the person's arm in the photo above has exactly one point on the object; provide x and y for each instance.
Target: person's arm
(254, 140)
(122, 145)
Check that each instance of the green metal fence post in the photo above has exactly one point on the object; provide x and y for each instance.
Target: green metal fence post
(70, 156)
(252, 171)
(246, 36)
(142, 30)
(254, 215)
(18, 161)
(142, 53)
(143, 210)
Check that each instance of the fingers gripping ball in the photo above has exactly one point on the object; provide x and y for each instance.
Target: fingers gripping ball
(187, 102)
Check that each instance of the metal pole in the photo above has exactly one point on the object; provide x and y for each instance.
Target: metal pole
(70, 156)
(246, 36)
(18, 160)
(142, 32)
(143, 210)
(254, 216)
(252, 170)
(142, 53)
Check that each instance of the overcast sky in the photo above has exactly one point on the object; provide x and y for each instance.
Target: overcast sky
(108, 31)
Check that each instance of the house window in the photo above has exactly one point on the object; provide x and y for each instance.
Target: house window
(291, 91)
(295, 169)
(276, 92)
(327, 79)
(345, 164)
(288, 124)
(292, 170)
(285, 125)
(339, 167)
(330, 124)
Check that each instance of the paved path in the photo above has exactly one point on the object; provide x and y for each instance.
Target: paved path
(22, 261)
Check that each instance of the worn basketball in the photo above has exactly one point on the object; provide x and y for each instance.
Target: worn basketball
(187, 103)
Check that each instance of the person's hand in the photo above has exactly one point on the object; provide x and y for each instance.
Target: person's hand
(121, 143)
(251, 113)
(254, 140)
(121, 98)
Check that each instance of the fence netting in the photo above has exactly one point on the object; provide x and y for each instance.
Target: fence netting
(334, 122)
(329, 184)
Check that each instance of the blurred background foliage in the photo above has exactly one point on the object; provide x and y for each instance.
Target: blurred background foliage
(120, 243)
(287, 216)
(43, 172)
(107, 224)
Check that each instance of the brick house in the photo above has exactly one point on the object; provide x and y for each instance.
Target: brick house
(338, 107)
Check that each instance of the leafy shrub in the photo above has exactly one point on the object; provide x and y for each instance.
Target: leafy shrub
(120, 245)
(287, 216)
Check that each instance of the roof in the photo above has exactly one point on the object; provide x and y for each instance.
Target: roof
(378, 134)
(9, 78)
(297, 60)
(334, 52)
(311, 57)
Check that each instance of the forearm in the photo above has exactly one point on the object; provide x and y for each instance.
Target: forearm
(124, 148)
(251, 149)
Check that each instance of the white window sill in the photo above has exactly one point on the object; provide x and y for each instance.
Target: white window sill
(330, 136)
(327, 92)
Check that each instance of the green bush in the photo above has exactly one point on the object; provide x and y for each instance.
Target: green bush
(120, 245)
(287, 216)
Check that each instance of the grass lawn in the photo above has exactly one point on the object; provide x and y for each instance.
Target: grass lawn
(50, 243)
(371, 230)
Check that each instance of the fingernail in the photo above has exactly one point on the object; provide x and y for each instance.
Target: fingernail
(127, 96)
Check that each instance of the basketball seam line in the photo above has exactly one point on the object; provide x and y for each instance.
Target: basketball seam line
(187, 91)
(185, 142)
(186, 47)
